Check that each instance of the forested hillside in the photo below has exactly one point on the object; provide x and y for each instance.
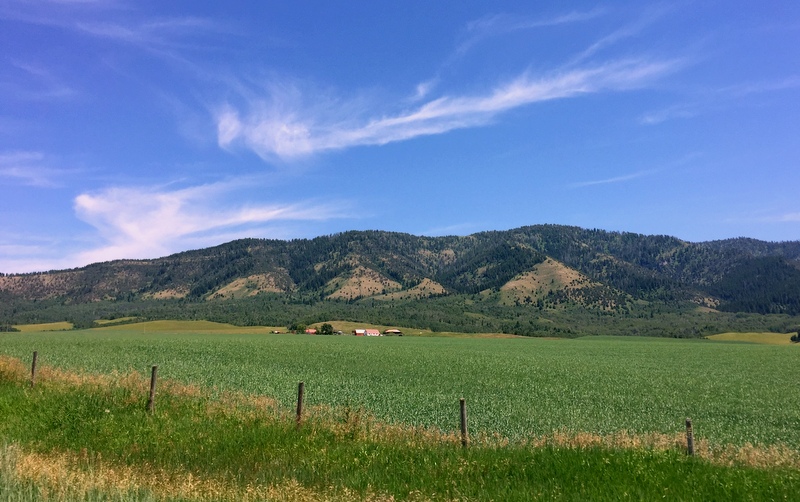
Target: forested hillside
(538, 273)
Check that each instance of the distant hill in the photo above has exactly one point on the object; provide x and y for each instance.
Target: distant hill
(542, 266)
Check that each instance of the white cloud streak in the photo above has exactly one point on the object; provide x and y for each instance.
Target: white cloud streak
(32, 82)
(499, 24)
(153, 34)
(424, 89)
(616, 179)
(27, 168)
(670, 113)
(650, 16)
(275, 129)
(785, 218)
(456, 229)
(720, 98)
(150, 222)
(768, 218)
(114, 22)
(765, 86)
(147, 223)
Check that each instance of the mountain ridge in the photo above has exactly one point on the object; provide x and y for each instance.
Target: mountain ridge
(608, 270)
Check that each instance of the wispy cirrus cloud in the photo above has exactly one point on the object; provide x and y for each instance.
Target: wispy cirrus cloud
(456, 229)
(150, 222)
(762, 86)
(636, 27)
(283, 127)
(761, 219)
(682, 162)
(29, 168)
(20, 259)
(152, 34)
(56, 13)
(612, 180)
(499, 24)
(424, 89)
(682, 111)
(719, 98)
(32, 82)
(783, 218)
(114, 21)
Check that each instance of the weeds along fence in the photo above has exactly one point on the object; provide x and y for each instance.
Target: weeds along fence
(463, 426)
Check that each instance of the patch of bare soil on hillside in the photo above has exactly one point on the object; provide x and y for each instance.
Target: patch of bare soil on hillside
(168, 294)
(545, 277)
(362, 282)
(552, 278)
(424, 289)
(251, 286)
(46, 285)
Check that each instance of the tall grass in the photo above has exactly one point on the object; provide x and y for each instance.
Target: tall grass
(89, 437)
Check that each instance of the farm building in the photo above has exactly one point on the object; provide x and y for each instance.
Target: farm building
(392, 332)
(367, 332)
(311, 331)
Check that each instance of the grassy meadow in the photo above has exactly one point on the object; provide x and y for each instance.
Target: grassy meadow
(767, 338)
(520, 387)
(48, 326)
(588, 418)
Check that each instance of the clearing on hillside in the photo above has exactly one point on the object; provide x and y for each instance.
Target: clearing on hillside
(190, 327)
(255, 284)
(765, 338)
(49, 326)
(550, 275)
(361, 283)
(425, 289)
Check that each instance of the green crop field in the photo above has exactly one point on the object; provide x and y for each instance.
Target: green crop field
(520, 388)
(580, 419)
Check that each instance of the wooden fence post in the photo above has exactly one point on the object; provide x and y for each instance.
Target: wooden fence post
(33, 368)
(464, 435)
(300, 391)
(689, 437)
(151, 401)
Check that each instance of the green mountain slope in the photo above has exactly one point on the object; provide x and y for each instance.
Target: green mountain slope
(608, 271)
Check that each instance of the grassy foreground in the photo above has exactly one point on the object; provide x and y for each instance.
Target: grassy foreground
(736, 393)
(89, 437)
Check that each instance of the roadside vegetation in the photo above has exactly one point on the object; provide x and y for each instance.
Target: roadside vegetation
(87, 436)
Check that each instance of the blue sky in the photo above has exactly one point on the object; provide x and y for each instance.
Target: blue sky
(135, 129)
